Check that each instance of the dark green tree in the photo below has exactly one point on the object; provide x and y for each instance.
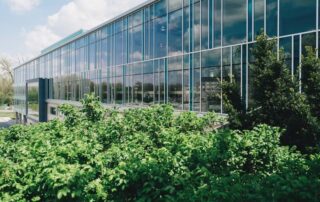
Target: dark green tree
(276, 99)
(310, 79)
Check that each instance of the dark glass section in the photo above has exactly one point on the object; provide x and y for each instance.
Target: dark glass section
(148, 91)
(258, 17)
(210, 79)
(137, 79)
(33, 99)
(286, 45)
(210, 23)
(196, 87)
(296, 59)
(308, 40)
(175, 33)
(204, 24)
(272, 19)
(159, 78)
(297, 16)
(186, 30)
(234, 21)
(250, 23)
(175, 81)
(226, 68)
(217, 23)
(186, 82)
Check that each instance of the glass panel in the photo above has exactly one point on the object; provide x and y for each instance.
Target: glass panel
(118, 90)
(204, 25)
(160, 47)
(159, 81)
(148, 91)
(297, 16)
(175, 33)
(186, 83)
(33, 99)
(258, 17)
(119, 48)
(234, 21)
(211, 74)
(196, 33)
(186, 30)
(217, 23)
(308, 40)
(286, 45)
(136, 41)
(174, 5)
(196, 82)
(92, 59)
(236, 65)
(175, 88)
(250, 23)
(272, 21)
(160, 8)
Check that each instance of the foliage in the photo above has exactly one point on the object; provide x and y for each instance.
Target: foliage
(150, 154)
(6, 82)
(276, 99)
(310, 71)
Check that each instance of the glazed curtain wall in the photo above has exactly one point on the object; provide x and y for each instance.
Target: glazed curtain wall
(174, 51)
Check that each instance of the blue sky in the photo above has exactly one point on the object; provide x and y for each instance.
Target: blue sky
(28, 26)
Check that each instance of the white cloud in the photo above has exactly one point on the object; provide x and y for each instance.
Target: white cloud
(22, 5)
(75, 15)
(39, 38)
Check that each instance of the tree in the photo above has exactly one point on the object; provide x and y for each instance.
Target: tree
(6, 67)
(277, 100)
(6, 82)
(310, 71)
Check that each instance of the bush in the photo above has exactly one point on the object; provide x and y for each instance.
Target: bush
(150, 155)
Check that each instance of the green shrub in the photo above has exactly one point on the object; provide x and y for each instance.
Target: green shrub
(150, 155)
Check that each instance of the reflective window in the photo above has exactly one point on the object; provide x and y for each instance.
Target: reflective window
(92, 58)
(160, 8)
(186, 30)
(148, 91)
(196, 33)
(234, 21)
(217, 23)
(297, 16)
(174, 5)
(272, 21)
(250, 24)
(160, 46)
(159, 78)
(286, 45)
(196, 82)
(175, 33)
(204, 24)
(258, 17)
(136, 43)
(118, 90)
(186, 83)
(308, 40)
(175, 88)
(210, 76)
(119, 49)
(33, 99)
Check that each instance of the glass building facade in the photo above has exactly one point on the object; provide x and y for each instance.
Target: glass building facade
(172, 51)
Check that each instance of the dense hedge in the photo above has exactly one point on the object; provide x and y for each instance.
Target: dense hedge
(150, 155)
